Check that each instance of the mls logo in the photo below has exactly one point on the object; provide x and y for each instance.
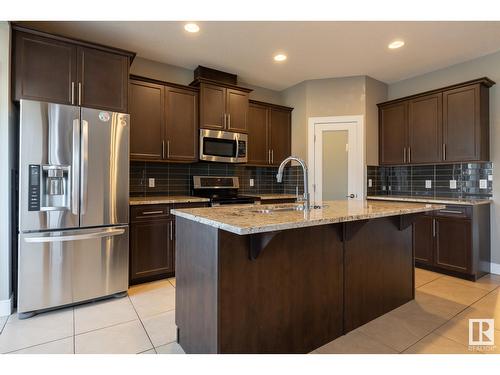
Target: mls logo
(481, 332)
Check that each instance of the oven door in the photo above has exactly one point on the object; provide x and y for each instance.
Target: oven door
(222, 146)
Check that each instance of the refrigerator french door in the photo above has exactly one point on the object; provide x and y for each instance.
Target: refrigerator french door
(73, 209)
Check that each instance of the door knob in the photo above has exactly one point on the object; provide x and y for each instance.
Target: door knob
(350, 196)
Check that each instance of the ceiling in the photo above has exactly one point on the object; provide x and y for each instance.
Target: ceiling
(315, 49)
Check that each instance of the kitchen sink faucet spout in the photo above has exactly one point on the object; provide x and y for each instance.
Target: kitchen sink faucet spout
(279, 177)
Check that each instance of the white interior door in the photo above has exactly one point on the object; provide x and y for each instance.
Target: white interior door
(337, 158)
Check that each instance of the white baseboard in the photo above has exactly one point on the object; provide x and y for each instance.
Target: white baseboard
(6, 307)
(495, 268)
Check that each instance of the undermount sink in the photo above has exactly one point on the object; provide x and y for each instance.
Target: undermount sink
(288, 208)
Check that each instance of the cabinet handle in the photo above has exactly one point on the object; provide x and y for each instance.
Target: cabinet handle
(168, 149)
(433, 227)
(152, 212)
(451, 212)
(171, 231)
(444, 151)
(80, 89)
(72, 92)
(268, 156)
(272, 156)
(163, 149)
(228, 120)
(224, 120)
(409, 154)
(404, 155)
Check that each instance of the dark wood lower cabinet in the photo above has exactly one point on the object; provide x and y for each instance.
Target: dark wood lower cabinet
(454, 241)
(152, 241)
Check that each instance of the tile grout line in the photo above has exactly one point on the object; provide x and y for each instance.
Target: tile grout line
(142, 324)
(42, 343)
(454, 316)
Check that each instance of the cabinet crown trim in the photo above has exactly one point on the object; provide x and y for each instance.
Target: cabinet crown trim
(483, 81)
(162, 83)
(272, 105)
(198, 81)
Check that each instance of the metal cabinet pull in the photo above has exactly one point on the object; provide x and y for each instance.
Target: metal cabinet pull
(229, 120)
(171, 231)
(152, 212)
(72, 92)
(455, 212)
(163, 149)
(268, 156)
(224, 120)
(404, 154)
(80, 89)
(272, 156)
(409, 154)
(168, 149)
(433, 227)
(444, 151)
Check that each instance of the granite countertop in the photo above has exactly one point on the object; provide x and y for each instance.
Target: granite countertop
(136, 201)
(438, 200)
(247, 220)
(273, 196)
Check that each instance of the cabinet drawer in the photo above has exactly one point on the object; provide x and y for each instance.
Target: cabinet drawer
(455, 211)
(149, 211)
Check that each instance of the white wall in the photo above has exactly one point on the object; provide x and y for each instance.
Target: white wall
(488, 66)
(7, 162)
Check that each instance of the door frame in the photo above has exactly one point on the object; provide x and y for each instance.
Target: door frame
(356, 123)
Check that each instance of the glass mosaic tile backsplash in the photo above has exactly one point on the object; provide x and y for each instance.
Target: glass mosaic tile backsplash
(433, 180)
(177, 179)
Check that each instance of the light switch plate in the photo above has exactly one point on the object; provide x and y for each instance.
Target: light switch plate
(453, 184)
(370, 182)
(252, 182)
(151, 182)
(490, 177)
(428, 184)
(483, 184)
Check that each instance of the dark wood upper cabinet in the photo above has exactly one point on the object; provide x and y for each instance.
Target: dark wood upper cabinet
(466, 123)
(237, 110)
(280, 134)
(425, 129)
(223, 107)
(393, 124)
(43, 69)
(446, 125)
(163, 121)
(103, 79)
(147, 111)
(57, 69)
(258, 136)
(212, 107)
(269, 133)
(181, 123)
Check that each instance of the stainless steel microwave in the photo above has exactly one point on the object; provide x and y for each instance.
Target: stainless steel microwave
(225, 147)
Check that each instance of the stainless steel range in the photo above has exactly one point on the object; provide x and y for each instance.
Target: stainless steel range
(220, 190)
(73, 205)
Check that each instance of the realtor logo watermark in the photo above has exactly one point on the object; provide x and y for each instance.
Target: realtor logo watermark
(482, 334)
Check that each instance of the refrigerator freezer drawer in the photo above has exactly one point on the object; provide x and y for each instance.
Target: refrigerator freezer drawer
(66, 267)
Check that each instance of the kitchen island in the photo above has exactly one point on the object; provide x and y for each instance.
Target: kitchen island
(277, 279)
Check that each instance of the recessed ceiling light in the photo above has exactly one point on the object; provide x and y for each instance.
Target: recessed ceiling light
(279, 57)
(191, 27)
(396, 44)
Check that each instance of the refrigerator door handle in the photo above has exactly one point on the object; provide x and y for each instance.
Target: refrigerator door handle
(76, 237)
(85, 165)
(75, 167)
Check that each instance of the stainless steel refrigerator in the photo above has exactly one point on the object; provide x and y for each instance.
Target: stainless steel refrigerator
(73, 205)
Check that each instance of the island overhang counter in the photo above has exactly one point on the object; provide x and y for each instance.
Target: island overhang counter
(275, 279)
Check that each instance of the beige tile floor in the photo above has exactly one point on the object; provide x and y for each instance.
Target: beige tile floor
(144, 322)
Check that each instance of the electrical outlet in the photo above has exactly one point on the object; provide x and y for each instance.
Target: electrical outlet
(490, 177)
(453, 184)
(252, 182)
(151, 182)
(483, 184)
(390, 187)
(383, 188)
(428, 184)
(370, 182)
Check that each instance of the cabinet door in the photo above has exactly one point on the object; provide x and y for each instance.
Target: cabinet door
(151, 252)
(461, 124)
(45, 69)
(146, 120)
(393, 133)
(279, 134)
(453, 244)
(423, 239)
(425, 129)
(258, 139)
(212, 106)
(236, 110)
(181, 124)
(103, 79)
